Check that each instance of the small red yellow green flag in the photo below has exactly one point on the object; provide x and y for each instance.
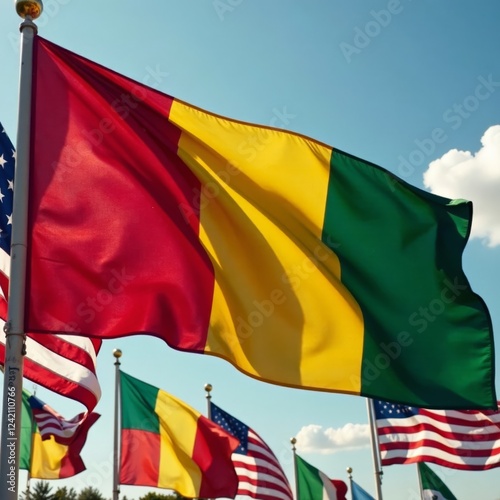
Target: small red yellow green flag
(48, 458)
(167, 444)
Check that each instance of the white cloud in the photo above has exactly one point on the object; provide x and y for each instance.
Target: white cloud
(474, 177)
(315, 439)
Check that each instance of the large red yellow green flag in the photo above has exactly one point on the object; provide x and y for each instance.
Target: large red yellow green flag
(167, 444)
(300, 264)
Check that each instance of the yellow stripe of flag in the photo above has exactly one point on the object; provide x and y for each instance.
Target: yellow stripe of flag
(236, 212)
(178, 429)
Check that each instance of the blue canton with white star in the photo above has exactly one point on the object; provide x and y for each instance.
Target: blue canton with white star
(232, 425)
(7, 163)
(393, 410)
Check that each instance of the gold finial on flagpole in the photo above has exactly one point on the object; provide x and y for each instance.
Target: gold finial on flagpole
(349, 475)
(293, 442)
(29, 8)
(117, 353)
(208, 388)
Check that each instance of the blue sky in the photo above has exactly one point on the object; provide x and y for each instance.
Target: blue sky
(410, 85)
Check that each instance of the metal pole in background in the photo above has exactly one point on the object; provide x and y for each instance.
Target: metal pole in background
(420, 488)
(349, 473)
(293, 441)
(208, 388)
(117, 353)
(14, 328)
(375, 451)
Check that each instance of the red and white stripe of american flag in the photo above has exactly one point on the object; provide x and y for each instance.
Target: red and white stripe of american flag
(64, 364)
(467, 440)
(259, 472)
(258, 469)
(51, 423)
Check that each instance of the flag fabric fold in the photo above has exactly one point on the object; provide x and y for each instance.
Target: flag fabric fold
(46, 458)
(467, 439)
(433, 488)
(259, 472)
(260, 238)
(312, 484)
(167, 444)
(64, 364)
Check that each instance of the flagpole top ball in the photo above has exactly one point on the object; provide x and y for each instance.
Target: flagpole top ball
(208, 387)
(117, 353)
(293, 440)
(29, 8)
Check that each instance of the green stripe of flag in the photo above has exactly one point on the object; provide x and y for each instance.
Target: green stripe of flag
(415, 296)
(137, 399)
(309, 482)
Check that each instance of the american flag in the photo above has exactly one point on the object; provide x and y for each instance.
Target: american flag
(62, 363)
(51, 423)
(459, 439)
(259, 473)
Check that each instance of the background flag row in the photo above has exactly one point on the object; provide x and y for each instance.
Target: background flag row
(51, 446)
(165, 443)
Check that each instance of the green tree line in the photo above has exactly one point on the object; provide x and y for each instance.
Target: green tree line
(41, 490)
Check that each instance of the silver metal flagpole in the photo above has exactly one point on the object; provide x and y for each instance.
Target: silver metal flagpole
(293, 441)
(14, 328)
(375, 449)
(208, 388)
(349, 474)
(420, 487)
(117, 353)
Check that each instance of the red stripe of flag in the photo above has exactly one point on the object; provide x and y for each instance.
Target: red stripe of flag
(458, 436)
(487, 451)
(140, 457)
(56, 373)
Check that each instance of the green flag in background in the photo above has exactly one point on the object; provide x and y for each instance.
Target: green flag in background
(312, 484)
(26, 433)
(432, 486)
